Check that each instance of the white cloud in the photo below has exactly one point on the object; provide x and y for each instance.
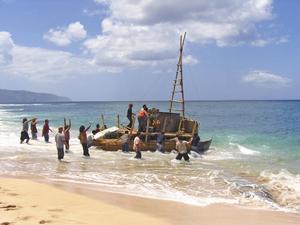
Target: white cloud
(65, 36)
(266, 79)
(275, 40)
(90, 12)
(6, 46)
(43, 65)
(213, 20)
(141, 33)
(145, 32)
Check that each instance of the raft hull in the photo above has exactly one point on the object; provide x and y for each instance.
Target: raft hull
(116, 144)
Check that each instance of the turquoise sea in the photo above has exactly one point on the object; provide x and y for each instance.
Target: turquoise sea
(254, 159)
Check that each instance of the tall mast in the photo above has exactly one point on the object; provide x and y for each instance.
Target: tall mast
(177, 99)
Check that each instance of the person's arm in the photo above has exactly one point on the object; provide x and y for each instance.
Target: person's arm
(28, 121)
(36, 121)
(65, 122)
(86, 129)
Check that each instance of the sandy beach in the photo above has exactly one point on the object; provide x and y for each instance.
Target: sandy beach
(28, 202)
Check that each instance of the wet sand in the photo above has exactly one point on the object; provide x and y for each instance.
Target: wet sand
(27, 202)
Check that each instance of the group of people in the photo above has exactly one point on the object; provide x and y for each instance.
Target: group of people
(33, 123)
(181, 146)
(62, 138)
(143, 114)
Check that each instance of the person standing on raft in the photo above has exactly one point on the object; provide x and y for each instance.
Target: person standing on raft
(129, 115)
(142, 118)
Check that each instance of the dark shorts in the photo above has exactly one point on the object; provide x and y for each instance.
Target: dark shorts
(34, 135)
(125, 147)
(138, 155)
(184, 155)
(85, 149)
(60, 153)
(24, 135)
(160, 147)
(46, 137)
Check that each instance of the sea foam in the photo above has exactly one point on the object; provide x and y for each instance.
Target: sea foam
(284, 187)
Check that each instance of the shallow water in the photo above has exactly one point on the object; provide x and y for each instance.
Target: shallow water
(254, 159)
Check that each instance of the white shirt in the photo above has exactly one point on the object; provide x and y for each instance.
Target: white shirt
(60, 139)
(181, 146)
(136, 143)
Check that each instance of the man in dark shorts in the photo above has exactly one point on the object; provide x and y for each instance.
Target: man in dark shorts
(24, 132)
(182, 148)
(129, 115)
(60, 142)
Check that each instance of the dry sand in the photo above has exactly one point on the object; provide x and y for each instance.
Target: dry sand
(28, 202)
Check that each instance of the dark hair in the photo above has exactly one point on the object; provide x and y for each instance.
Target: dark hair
(126, 131)
(24, 120)
(81, 128)
(139, 134)
(46, 120)
(94, 132)
(130, 105)
(97, 125)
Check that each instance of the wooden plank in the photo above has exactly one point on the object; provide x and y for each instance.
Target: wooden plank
(102, 120)
(147, 129)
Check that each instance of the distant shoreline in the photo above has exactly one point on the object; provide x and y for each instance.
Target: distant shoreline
(87, 101)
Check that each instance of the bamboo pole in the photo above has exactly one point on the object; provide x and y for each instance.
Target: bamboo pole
(194, 128)
(164, 125)
(147, 129)
(179, 127)
(102, 120)
(132, 126)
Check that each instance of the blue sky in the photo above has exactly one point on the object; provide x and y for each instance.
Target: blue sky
(127, 49)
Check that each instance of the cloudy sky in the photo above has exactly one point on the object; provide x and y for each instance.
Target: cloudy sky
(127, 49)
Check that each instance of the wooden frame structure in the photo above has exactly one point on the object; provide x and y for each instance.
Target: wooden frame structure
(177, 98)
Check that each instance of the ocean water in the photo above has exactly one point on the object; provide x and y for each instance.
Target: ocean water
(254, 159)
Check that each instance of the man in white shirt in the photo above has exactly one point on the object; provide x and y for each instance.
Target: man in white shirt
(137, 146)
(181, 147)
(60, 141)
